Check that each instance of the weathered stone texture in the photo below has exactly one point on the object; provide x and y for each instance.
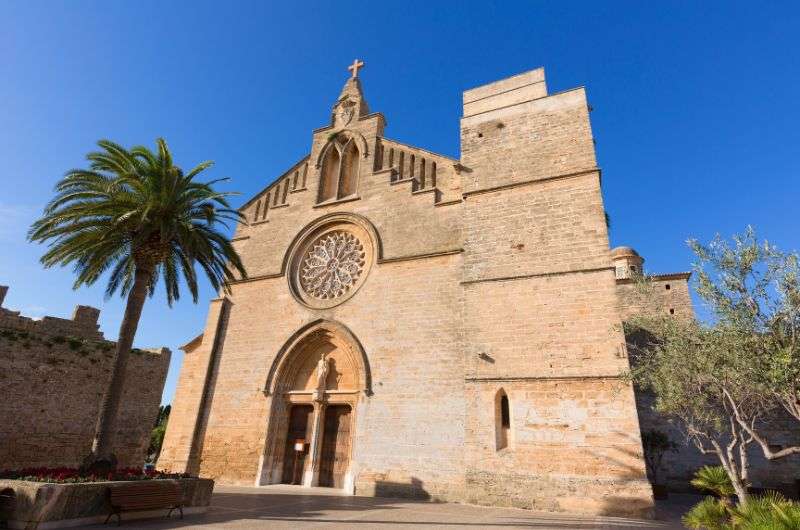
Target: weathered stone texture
(538, 139)
(485, 273)
(671, 291)
(53, 373)
(79, 505)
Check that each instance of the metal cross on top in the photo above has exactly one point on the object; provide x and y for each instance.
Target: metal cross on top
(355, 66)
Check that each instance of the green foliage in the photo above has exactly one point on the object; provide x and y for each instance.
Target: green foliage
(771, 511)
(708, 514)
(714, 479)
(156, 439)
(721, 379)
(157, 434)
(134, 209)
(656, 444)
(689, 368)
(135, 217)
(767, 512)
(753, 289)
(163, 415)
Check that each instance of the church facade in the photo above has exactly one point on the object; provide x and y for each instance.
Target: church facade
(419, 325)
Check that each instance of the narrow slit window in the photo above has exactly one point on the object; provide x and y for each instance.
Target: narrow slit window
(502, 420)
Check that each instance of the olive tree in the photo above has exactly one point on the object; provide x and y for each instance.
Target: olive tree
(754, 288)
(723, 380)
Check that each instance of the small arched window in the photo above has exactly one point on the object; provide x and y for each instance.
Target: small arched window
(502, 420)
(339, 175)
(349, 173)
(330, 175)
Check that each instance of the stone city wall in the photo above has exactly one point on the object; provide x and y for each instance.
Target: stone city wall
(53, 373)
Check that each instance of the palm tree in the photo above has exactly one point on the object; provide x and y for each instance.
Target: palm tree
(138, 217)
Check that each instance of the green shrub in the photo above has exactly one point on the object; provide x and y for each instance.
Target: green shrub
(770, 511)
(708, 514)
(714, 479)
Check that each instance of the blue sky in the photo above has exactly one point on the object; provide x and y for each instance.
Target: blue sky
(695, 107)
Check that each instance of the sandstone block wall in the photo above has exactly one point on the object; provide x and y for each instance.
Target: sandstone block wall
(541, 319)
(415, 413)
(405, 316)
(491, 273)
(671, 292)
(53, 373)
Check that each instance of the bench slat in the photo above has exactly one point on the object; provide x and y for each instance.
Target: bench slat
(146, 495)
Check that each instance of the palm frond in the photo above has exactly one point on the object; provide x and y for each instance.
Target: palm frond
(134, 208)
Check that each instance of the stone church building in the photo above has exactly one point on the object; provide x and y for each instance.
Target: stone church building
(415, 324)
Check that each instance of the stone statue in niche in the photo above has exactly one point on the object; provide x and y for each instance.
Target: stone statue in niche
(343, 112)
(322, 373)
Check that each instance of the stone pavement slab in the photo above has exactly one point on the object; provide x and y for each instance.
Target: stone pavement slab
(284, 507)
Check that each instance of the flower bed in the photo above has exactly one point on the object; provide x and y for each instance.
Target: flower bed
(71, 475)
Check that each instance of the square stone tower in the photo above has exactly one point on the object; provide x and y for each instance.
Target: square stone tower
(543, 344)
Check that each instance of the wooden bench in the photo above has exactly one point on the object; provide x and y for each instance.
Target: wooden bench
(145, 495)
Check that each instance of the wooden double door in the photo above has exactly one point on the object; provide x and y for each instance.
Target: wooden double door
(300, 427)
(334, 455)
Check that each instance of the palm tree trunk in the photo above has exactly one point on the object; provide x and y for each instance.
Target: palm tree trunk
(102, 445)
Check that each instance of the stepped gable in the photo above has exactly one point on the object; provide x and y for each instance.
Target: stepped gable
(384, 160)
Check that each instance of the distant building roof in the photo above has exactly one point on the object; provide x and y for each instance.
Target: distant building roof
(624, 252)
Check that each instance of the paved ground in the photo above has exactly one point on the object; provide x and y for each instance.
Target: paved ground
(277, 507)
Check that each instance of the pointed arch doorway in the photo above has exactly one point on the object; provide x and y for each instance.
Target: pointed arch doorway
(315, 385)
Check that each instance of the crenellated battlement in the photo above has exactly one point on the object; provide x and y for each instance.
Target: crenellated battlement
(83, 323)
(54, 372)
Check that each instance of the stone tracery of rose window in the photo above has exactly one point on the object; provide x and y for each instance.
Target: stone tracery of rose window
(332, 265)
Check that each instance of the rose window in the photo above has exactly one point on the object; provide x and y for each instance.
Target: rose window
(332, 265)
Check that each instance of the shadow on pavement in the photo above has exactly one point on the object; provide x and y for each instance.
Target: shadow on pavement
(254, 508)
